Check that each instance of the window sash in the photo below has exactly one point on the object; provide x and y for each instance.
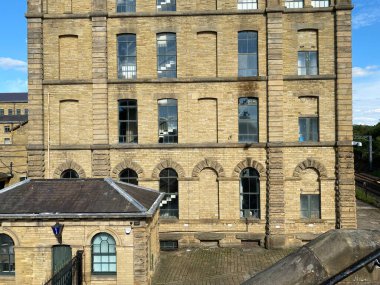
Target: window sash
(166, 55)
(294, 4)
(307, 63)
(247, 4)
(126, 6)
(247, 54)
(249, 194)
(308, 129)
(128, 121)
(166, 5)
(167, 121)
(169, 185)
(129, 176)
(103, 254)
(248, 120)
(126, 56)
(310, 206)
(7, 255)
(320, 3)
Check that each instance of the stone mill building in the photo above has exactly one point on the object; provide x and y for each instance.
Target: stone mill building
(238, 110)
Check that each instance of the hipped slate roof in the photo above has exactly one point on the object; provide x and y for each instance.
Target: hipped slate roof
(77, 198)
(14, 97)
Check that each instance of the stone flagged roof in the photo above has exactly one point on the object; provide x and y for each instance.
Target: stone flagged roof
(14, 97)
(13, 119)
(77, 198)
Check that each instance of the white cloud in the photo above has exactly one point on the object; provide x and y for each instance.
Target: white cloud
(366, 99)
(366, 13)
(10, 63)
(365, 71)
(17, 85)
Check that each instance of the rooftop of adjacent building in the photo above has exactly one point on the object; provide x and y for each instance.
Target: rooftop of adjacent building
(77, 198)
(14, 97)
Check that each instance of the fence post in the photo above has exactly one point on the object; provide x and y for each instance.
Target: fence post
(79, 267)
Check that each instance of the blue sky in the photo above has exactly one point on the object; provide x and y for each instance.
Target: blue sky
(366, 59)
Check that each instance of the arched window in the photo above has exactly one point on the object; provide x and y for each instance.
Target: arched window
(69, 174)
(103, 254)
(129, 176)
(249, 193)
(169, 185)
(7, 254)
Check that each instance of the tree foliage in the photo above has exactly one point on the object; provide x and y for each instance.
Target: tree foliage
(361, 153)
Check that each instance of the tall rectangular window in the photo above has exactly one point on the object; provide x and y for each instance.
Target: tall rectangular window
(26, 111)
(18, 112)
(247, 48)
(320, 3)
(310, 206)
(307, 63)
(7, 129)
(126, 56)
(167, 121)
(166, 5)
(126, 6)
(294, 3)
(308, 129)
(7, 141)
(10, 112)
(128, 121)
(1, 112)
(247, 4)
(248, 120)
(166, 55)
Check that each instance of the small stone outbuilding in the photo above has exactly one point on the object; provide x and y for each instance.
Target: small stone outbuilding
(44, 224)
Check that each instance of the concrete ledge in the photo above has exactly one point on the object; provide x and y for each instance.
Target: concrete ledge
(170, 236)
(209, 236)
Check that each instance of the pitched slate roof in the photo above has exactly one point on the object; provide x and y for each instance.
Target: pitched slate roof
(14, 97)
(77, 198)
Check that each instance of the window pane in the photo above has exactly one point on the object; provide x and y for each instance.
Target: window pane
(126, 56)
(128, 130)
(167, 121)
(248, 120)
(308, 129)
(169, 185)
(247, 57)
(103, 253)
(126, 6)
(166, 5)
(249, 193)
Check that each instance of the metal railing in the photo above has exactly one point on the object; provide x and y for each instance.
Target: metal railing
(372, 257)
(70, 274)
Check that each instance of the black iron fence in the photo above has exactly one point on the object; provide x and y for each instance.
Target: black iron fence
(69, 274)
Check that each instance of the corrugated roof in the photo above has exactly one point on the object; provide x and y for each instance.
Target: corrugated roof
(76, 197)
(14, 97)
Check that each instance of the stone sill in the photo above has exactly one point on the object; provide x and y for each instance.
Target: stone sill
(103, 277)
(311, 221)
(164, 220)
(309, 77)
